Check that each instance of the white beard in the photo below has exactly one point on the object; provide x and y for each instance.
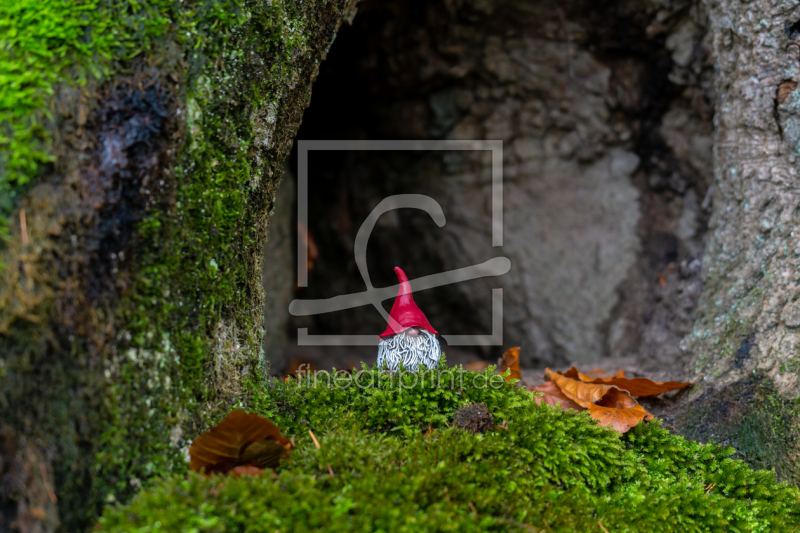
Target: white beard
(422, 349)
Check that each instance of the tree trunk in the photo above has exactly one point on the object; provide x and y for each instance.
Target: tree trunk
(131, 297)
(746, 337)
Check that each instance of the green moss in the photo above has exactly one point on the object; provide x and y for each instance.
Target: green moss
(44, 43)
(754, 419)
(198, 284)
(792, 365)
(553, 470)
(115, 387)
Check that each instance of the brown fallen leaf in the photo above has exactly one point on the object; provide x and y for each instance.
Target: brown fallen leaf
(245, 470)
(643, 387)
(510, 359)
(618, 410)
(637, 387)
(607, 404)
(574, 373)
(308, 240)
(601, 373)
(299, 367)
(552, 395)
(241, 439)
(576, 390)
(265, 453)
(477, 366)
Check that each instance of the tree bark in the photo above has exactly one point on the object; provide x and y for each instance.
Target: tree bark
(131, 300)
(132, 290)
(746, 337)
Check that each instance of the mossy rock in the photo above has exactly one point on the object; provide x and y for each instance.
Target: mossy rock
(399, 465)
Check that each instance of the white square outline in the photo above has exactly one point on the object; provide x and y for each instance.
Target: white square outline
(495, 147)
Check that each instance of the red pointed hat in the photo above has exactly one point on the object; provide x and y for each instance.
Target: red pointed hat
(405, 312)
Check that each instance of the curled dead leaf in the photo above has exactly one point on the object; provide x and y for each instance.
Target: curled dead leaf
(618, 410)
(579, 392)
(510, 359)
(241, 439)
(637, 387)
(601, 373)
(552, 395)
(607, 404)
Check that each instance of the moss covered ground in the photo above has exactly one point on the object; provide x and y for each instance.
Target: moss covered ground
(398, 464)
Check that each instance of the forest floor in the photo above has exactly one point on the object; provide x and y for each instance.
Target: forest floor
(396, 453)
(665, 406)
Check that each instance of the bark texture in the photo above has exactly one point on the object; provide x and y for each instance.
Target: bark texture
(131, 299)
(746, 336)
(279, 275)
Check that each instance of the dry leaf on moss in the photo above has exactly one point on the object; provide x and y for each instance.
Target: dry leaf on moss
(552, 395)
(637, 387)
(618, 410)
(510, 359)
(607, 404)
(241, 439)
(578, 391)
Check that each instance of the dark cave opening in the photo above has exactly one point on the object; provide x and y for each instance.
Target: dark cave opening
(605, 206)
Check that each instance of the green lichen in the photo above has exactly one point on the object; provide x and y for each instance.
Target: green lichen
(548, 469)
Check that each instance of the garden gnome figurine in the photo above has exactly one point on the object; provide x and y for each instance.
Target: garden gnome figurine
(409, 338)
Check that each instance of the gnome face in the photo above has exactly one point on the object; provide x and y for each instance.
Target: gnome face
(409, 338)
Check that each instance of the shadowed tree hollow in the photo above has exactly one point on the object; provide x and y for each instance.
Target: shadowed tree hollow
(627, 243)
(650, 203)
